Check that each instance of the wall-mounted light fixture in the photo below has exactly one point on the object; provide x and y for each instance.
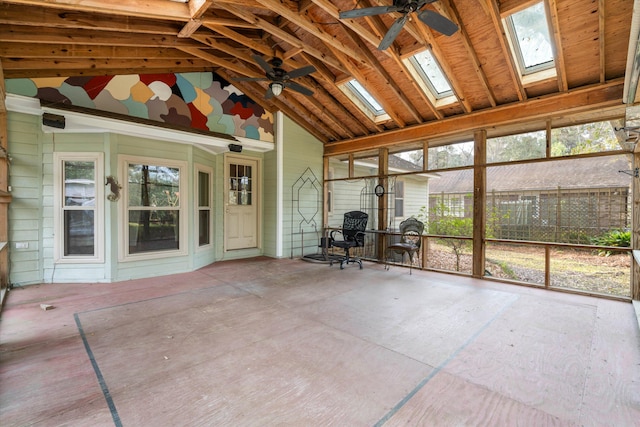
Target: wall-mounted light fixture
(53, 120)
(236, 148)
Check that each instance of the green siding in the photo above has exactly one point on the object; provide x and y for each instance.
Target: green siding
(301, 151)
(31, 215)
(25, 210)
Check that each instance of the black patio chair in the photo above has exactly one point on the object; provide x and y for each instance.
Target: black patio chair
(410, 241)
(353, 226)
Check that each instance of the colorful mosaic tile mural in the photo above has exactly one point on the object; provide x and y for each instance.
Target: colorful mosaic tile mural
(201, 101)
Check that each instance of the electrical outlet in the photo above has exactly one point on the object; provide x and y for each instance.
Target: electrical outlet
(22, 245)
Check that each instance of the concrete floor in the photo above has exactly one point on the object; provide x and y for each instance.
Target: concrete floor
(268, 342)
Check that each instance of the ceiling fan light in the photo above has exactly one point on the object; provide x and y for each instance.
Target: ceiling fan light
(276, 88)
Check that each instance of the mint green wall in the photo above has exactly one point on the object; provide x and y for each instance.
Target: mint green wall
(25, 210)
(31, 212)
(270, 203)
(301, 151)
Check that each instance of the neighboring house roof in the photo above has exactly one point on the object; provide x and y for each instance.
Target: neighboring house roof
(398, 163)
(590, 172)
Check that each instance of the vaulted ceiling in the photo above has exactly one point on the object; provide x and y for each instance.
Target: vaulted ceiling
(590, 41)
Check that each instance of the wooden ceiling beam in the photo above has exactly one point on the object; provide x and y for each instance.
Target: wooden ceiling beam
(231, 51)
(56, 51)
(225, 22)
(325, 74)
(572, 102)
(227, 32)
(219, 62)
(376, 92)
(283, 35)
(449, 9)
(22, 34)
(197, 8)
(601, 40)
(446, 68)
(311, 28)
(352, 24)
(110, 71)
(153, 9)
(189, 28)
(402, 66)
(554, 25)
(375, 21)
(395, 89)
(56, 18)
(494, 13)
(115, 66)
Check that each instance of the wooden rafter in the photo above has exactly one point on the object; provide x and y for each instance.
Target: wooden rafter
(494, 13)
(445, 6)
(597, 96)
(382, 72)
(62, 38)
(552, 11)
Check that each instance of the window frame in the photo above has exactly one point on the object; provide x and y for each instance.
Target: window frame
(59, 208)
(199, 208)
(534, 73)
(183, 210)
(399, 184)
(416, 69)
(358, 94)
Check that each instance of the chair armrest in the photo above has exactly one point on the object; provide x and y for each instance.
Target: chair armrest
(333, 232)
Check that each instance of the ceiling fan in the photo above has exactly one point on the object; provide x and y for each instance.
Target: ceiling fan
(432, 19)
(280, 79)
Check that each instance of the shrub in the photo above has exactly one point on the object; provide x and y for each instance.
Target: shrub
(617, 238)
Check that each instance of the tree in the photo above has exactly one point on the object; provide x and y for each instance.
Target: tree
(441, 223)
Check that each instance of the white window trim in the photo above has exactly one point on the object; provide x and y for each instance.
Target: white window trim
(123, 225)
(58, 217)
(437, 102)
(535, 74)
(395, 197)
(364, 106)
(197, 208)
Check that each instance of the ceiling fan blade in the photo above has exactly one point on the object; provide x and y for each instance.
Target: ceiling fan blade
(300, 72)
(249, 79)
(299, 88)
(263, 64)
(367, 11)
(269, 93)
(393, 32)
(438, 22)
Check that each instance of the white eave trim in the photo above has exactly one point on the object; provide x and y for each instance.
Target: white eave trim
(86, 123)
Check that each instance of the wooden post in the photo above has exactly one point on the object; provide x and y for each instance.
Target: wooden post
(635, 229)
(479, 203)
(5, 196)
(425, 241)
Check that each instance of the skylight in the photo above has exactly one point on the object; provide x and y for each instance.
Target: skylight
(529, 32)
(365, 97)
(430, 71)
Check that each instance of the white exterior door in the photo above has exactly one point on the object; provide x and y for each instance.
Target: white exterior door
(241, 203)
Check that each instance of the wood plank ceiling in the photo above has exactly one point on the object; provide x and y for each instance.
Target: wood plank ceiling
(46, 38)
